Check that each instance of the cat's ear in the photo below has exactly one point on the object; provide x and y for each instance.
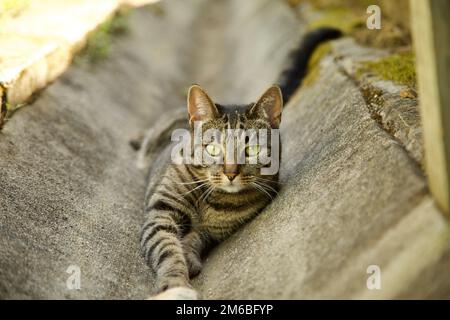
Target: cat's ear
(269, 106)
(200, 105)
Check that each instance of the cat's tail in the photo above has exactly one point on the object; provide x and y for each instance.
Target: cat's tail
(292, 77)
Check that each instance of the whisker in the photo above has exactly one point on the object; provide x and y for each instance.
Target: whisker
(267, 187)
(204, 193)
(258, 187)
(197, 187)
(208, 194)
(268, 180)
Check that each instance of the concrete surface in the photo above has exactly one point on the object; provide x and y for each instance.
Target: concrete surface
(70, 194)
(352, 195)
(38, 44)
(396, 113)
(349, 197)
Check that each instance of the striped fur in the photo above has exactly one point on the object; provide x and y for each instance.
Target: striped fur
(187, 211)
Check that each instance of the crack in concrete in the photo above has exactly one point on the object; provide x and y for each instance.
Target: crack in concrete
(372, 95)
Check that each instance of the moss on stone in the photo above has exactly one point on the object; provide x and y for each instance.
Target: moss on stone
(98, 46)
(350, 17)
(399, 68)
(339, 18)
(157, 9)
(313, 64)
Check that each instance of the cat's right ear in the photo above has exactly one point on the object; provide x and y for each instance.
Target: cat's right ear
(200, 106)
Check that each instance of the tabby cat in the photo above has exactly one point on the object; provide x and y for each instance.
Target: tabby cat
(190, 207)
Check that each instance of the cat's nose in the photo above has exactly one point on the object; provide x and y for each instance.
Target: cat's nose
(231, 171)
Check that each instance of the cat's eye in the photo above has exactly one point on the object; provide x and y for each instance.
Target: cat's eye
(252, 151)
(213, 149)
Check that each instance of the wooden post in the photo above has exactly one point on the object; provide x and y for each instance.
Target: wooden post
(430, 20)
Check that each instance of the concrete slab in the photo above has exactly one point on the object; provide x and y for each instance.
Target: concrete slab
(346, 183)
(39, 43)
(70, 194)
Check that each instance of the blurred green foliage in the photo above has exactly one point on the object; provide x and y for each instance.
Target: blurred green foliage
(350, 16)
(399, 68)
(313, 64)
(98, 46)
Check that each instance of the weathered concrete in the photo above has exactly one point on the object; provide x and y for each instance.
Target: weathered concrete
(70, 193)
(351, 197)
(39, 43)
(347, 187)
(394, 106)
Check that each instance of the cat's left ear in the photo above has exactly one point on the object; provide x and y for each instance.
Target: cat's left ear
(269, 106)
(200, 105)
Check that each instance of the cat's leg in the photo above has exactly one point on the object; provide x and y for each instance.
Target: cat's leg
(193, 245)
(162, 248)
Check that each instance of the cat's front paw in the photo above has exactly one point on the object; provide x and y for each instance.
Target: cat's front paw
(166, 283)
(178, 293)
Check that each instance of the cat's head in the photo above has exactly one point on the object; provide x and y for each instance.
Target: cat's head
(242, 160)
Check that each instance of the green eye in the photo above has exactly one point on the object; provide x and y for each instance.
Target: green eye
(252, 151)
(213, 149)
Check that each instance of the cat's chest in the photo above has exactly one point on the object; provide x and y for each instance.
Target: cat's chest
(221, 220)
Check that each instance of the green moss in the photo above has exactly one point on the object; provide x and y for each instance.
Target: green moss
(339, 18)
(313, 64)
(98, 46)
(12, 108)
(156, 9)
(399, 68)
(120, 23)
(350, 17)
